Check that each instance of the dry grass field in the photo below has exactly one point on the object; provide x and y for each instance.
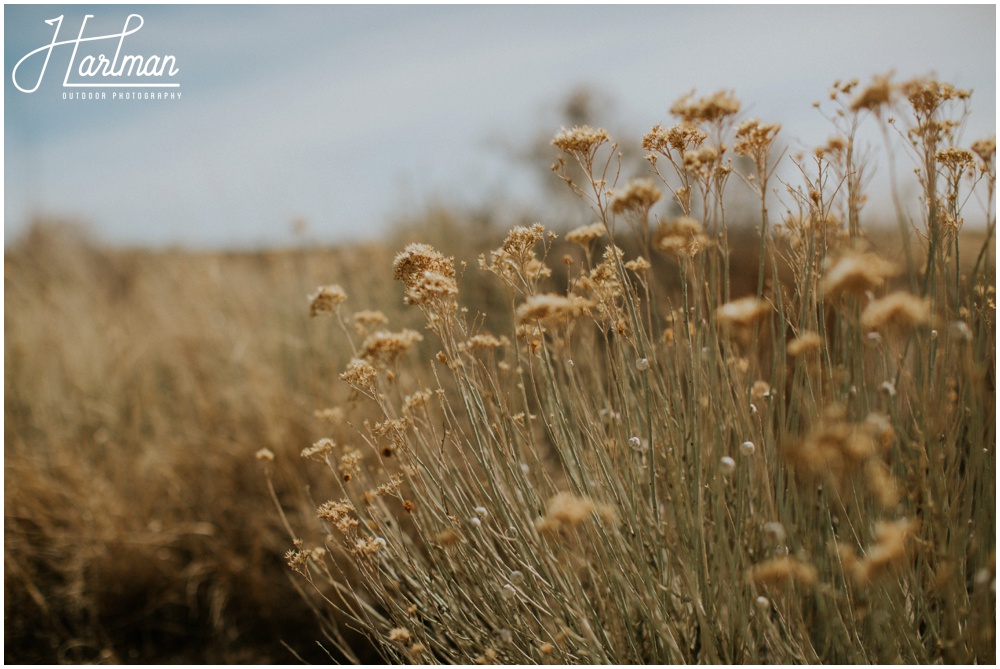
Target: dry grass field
(660, 437)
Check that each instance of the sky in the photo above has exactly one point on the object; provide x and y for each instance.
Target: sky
(349, 117)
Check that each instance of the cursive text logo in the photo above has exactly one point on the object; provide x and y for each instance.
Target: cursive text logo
(102, 71)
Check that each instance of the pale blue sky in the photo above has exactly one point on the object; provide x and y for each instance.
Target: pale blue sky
(349, 115)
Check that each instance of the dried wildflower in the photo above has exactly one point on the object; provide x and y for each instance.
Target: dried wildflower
(804, 343)
(680, 138)
(890, 550)
(326, 299)
(754, 138)
(297, 559)
(520, 241)
(552, 308)
(391, 487)
(782, 572)
(955, 159)
(742, 313)
(926, 95)
(760, 390)
(430, 287)
(482, 341)
(369, 547)
(880, 429)
(417, 260)
(386, 347)
(881, 484)
(360, 374)
(681, 236)
(836, 145)
(897, 310)
(775, 531)
(569, 510)
(546, 649)
(399, 635)
(416, 400)
(265, 455)
(709, 109)
(338, 515)
(582, 140)
(319, 450)
(875, 96)
(585, 234)
(702, 161)
(833, 451)
(857, 273)
(365, 321)
(986, 149)
(639, 265)
(639, 196)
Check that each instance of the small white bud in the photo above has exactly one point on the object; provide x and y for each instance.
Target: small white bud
(475, 522)
(727, 465)
(516, 577)
(481, 511)
(642, 364)
(763, 603)
(747, 448)
(509, 591)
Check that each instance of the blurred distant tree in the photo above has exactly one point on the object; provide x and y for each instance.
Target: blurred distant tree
(581, 106)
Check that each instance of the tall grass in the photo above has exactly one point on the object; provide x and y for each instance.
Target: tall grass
(798, 467)
(138, 386)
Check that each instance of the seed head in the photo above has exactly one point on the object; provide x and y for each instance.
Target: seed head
(326, 299)
(781, 572)
(857, 273)
(899, 310)
(386, 347)
(708, 109)
(681, 236)
(416, 260)
(804, 343)
(552, 308)
(639, 196)
(742, 313)
(568, 510)
(585, 234)
(875, 96)
(581, 140)
(754, 138)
